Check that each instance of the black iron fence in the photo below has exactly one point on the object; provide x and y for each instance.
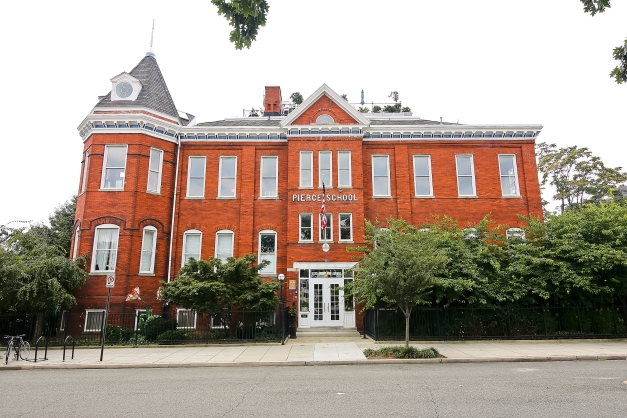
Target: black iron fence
(388, 324)
(86, 328)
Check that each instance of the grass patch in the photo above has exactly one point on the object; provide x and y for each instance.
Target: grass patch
(402, 352)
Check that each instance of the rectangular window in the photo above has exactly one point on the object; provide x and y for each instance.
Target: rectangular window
(267, 251)
(326, 234)
(465, 175)
(196, 177)
(140, 318)
(381, 175)
(105, 248)
(324, 168)
(306, 164)
(154, 170)
(227, 180)
(346, 228)
(114, 167)
(344, 178)
(93, 320)
(269, 174)
(63, 321)
(76, 241)
(185, 319)
(509, 175)
(149, 243)
(191, 245)
(306, 227)
(85, 170)
(422, 175)
(224, 245)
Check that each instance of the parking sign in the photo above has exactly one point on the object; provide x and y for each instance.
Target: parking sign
(110, 281)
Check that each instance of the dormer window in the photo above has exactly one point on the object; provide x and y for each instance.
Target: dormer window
(125, 87)
(324, 119)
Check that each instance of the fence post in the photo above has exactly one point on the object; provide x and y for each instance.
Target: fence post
(579, 317)
(136, 326)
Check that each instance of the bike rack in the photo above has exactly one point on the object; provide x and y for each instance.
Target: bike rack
(65, 344)
(37, 347)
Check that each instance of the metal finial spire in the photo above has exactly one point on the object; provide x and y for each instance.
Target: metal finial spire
(150, 52)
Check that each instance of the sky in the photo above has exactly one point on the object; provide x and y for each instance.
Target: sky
(484, 61)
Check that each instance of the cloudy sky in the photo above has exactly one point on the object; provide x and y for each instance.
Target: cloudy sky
(483, 61)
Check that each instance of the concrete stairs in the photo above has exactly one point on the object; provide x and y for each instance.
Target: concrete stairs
(327, 334)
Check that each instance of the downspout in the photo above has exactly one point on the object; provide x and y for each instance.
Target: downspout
(176, 183)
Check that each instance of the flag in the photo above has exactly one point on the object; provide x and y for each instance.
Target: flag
(323, 210)
(134, 295)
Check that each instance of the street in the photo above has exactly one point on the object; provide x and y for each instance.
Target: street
(548, 389)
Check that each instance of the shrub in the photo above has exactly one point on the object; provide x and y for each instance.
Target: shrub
(402, 352)
(118, 334)
(173, 335)
(155, 326)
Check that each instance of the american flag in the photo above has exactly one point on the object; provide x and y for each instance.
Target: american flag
(323, 209)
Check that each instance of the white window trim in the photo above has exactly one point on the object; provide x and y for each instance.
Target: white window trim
(216, 326)
(222, 157)
(189, 175)
(387, 158)
(430, 176)
(77, 232)
(276, 244)
(472, 170)
(276, 176)
(329, 239)
(300, 227)
(104, 167)
(339, 226)
(87, 312)
(300, 172)
(137, 313)
(95, 247)
(177, 318)
(63, 323)
(515, 233)
(185, 234)
(85, 171)
(508, 175)
(225, 232)
(159, 171)
(153, 250)
(328, 184)
(350, 169)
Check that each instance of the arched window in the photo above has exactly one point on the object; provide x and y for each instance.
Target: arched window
(76, 238)
(224, 244)
(324, 119)
(192, 241)
(149, 246)
(105, 248)
(267, 250)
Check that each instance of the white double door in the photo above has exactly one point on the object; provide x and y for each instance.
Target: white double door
(328, 303)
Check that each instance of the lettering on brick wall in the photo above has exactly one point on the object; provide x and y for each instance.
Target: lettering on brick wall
(350, 197)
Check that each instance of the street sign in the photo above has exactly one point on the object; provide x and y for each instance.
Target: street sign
(110, 281)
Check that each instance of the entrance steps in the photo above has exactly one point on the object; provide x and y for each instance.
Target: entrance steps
(327, 332)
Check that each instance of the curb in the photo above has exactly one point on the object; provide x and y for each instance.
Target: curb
(317, 363)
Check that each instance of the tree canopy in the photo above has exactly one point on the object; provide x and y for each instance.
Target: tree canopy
(210, 286)
(296, 97)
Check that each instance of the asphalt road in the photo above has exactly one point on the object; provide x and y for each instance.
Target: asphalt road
(552, 389)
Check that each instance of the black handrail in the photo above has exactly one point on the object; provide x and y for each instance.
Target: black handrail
(37, 347)
(65, 344)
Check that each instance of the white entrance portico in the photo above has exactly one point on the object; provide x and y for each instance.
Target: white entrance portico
(321, 301)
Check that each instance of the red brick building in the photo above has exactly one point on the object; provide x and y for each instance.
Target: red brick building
(157, 188)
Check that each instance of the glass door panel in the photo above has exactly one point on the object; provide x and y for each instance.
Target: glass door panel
(318, 303)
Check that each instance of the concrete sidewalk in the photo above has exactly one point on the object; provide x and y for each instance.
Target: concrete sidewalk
(296, 353)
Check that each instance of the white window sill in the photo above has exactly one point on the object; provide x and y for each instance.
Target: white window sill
(382, 197)
(512, 197)
(345, 187)
(226, 197)
(146, 274)
(305, 187)
(153, 192)
(267, 274)
(100, 273)
(110, 190)
(425, 197)
(346, 242)
(268, 197)
(306, 242)
(326, 242)
(468, 197)
(194, 197)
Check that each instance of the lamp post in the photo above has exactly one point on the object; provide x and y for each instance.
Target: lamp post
(281, 277)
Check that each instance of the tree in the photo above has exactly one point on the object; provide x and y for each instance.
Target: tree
(576, 174)
(399, 266)
(394, 96)
(619, 74)
(36, 275)
(245, 16)
(296, 97)
(61, 227)
(406, 109)
(210, 286)
(376, 109)
(363, 109)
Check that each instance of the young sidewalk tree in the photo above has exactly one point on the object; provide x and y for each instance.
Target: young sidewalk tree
(210, 286)
(399, 265)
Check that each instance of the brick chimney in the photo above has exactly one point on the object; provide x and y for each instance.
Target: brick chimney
(272, 101)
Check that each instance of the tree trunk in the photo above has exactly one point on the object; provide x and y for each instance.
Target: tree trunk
(407, 315)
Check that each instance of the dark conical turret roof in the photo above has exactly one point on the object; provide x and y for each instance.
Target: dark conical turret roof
(154, 93)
